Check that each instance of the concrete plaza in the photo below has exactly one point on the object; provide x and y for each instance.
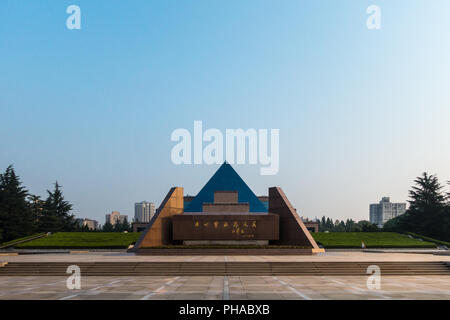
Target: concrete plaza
(225, 287)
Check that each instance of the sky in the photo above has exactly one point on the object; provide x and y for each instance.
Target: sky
(360, 112)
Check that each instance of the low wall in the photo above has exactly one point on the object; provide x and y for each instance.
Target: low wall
(223, 252)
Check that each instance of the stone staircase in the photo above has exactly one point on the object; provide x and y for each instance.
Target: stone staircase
(224, 268)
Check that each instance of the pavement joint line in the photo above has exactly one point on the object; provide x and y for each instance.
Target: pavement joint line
(424, 293)
(146, 297)
(27, 289)
(292, 289)
(357, 290)
(424, 278)
(91, 290)
(226, 289)
(47, 284)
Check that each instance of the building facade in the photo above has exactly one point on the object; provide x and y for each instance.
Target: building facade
(311, 225)
(385, 210)
(226, 212)
(115, 217)
(143, 211)
(91, 224)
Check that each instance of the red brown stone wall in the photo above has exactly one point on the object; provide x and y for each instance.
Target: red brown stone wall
(226, 207)
(159, 230)
(292, 229)
(226, 197)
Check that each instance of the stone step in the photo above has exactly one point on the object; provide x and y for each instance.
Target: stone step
(223, 268)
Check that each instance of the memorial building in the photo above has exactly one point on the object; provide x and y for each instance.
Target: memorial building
(226, 212)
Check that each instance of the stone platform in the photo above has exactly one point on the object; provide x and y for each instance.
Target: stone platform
(249, 286)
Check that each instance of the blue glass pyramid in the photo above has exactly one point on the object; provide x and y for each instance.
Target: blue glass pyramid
(225, 179)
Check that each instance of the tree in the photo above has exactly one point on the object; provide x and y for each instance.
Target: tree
(366, 226)
(448, 195)
(426, 194)
(327, 224)
(56, 215)
(108, 227)
(37, 206)
(351, 226)
(428, 214)
(83, 228)
(125, 225)
(122, 226)
(426, 205)
(16, 218)
(117, 226)
(322, 224)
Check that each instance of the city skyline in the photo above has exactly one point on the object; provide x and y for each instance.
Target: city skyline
(155, 206)
(361, 113)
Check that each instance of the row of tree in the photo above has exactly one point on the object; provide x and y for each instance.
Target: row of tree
(327, 224)
(119, 226)
(428, 213)
(23, 214)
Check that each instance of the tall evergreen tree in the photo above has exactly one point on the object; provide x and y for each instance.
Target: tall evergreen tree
(122, 225)
(427, 214)
(322, 224)
(329, 225)
(426, 206)
(15, 214)
(126, 225)
(448, 195)
(117, 227)
(36, 205)
(426, 194)
(56, 215)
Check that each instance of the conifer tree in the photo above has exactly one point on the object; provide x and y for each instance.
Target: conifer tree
(16, 218)
(428, 214)
(56, 215)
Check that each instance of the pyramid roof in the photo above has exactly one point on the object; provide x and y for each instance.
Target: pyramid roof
(225, 179)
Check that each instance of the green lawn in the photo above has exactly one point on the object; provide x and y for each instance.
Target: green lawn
(117, 240)
(83, 240)
(438, 242)
(20, 239)
(370, 239)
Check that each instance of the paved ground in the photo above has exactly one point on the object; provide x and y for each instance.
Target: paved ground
(231, 287)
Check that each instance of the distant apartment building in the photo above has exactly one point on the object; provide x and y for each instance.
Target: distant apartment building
(115, 217)
(91, 224)
(311, 225)
(385, 210)
(143, 211)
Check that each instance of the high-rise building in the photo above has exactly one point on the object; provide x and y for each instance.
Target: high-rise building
(385, 210)
(143, 211)
(115, 217)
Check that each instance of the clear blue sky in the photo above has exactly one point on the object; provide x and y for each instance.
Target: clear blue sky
(361, 113)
